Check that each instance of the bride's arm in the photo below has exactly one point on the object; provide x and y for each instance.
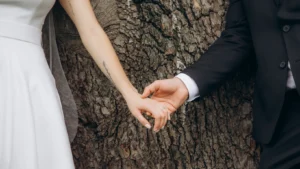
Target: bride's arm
(98, 45)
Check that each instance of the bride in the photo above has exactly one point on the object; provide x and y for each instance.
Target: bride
(33, 134)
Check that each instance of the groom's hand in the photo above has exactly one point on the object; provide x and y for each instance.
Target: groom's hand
(172, 92)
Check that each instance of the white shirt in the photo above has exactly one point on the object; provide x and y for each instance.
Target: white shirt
(194, 91)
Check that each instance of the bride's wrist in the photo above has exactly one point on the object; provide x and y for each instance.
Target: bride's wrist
(129, 92)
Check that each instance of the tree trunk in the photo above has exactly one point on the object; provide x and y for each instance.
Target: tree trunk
(156, 39)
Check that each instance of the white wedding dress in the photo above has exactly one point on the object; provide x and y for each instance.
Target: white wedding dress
(33, 134)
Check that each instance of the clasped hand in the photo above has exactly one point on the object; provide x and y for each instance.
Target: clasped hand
(159, 100)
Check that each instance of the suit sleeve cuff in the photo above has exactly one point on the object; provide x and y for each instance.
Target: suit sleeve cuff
(190, 85)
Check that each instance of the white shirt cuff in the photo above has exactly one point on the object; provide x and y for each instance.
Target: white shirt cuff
(190, 85)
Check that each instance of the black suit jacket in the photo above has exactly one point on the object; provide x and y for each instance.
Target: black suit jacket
(270, 28)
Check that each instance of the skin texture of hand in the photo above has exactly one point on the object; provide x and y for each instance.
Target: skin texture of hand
(172, 92)
(137, 105)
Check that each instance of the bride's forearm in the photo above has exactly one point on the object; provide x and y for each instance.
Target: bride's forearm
(99, 46)
(97, 43)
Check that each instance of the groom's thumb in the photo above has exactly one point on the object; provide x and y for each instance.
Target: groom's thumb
(152, 88)
(146, 93)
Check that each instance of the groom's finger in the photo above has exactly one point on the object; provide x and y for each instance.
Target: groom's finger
(166, 116)
(165, 119)
(158, 122)
(149, 114)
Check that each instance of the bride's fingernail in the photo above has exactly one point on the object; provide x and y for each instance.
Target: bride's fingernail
(148, 126)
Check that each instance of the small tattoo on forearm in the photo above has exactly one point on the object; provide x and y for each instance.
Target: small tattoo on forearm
(107, 72)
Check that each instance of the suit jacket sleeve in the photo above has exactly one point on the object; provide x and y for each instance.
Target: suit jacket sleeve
(289, 10)
(226, 54)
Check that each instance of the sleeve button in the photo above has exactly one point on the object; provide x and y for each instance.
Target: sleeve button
(286, 28)
(282, 65)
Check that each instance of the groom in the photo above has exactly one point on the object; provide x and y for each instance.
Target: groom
(271, 30)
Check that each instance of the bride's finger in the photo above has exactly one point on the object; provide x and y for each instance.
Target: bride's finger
(141, 119)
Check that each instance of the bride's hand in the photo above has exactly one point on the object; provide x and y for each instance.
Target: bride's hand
(157, 110)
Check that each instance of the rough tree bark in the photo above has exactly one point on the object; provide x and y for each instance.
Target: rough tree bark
(156, 39)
